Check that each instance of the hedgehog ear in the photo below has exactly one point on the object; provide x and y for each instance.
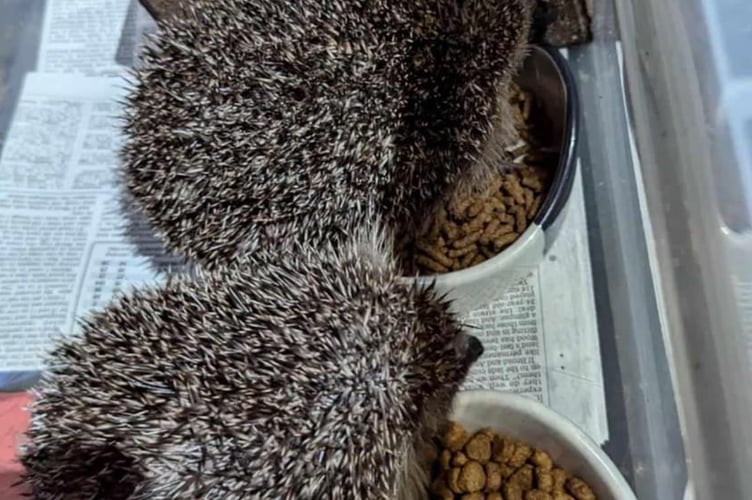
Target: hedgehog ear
(163, 9)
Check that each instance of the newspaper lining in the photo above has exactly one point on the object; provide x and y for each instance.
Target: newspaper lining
(67, 248)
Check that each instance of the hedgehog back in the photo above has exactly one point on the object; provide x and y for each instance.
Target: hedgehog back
(254, 123)
(296, 379)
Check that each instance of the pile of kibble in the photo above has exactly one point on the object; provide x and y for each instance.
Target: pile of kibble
(489, 466)
(469, 229)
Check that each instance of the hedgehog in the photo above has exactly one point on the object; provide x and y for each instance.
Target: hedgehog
(257, 123)
(316, 374)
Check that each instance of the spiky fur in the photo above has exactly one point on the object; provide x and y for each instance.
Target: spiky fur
(313, 375)
(254, 123)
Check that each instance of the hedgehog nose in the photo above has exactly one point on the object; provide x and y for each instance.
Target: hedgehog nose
(474, 349)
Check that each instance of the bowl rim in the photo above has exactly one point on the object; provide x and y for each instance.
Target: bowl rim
(558, 194)
(561, 426)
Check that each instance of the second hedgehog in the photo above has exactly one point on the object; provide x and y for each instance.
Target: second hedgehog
(310, 376)
(257, 123)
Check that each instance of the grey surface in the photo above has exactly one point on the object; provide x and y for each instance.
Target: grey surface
(645, 435)
(20, 27)
(680, 134)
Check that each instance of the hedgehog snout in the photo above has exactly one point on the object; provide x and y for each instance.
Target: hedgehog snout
(469, 348)
(474, 349)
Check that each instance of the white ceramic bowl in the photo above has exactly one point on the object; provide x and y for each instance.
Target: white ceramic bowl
(535, 424)
(546, 75)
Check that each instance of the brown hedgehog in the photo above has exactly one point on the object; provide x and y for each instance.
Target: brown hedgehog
(257, 123)
(318, 375)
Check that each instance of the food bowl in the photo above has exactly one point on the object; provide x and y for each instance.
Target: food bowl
(546, 75)
(529, 421)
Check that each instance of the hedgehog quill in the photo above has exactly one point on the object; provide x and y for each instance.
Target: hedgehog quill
(315, 375)
(258, 123)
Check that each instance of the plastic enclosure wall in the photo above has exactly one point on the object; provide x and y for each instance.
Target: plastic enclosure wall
(686, 62)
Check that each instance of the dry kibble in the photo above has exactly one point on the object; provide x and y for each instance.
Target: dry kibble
(445, 459)
(560, 495)
(472, 478)
(503, 241)
(459, 459)
(579, 489)
(512, 491)
(523, 477)
(503, 449)
(521, 453)
(489, 466)
(479, 447)
(455, 437)
(453, 479)
(493, 477)
(560, 479)
(537, 495)
(465, 230)
(507, 471)
(544, 480)
(542, 460)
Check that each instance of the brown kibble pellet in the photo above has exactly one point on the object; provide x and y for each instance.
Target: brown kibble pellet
(459, 459)
(493, 477)
(520, 219)
(451, 231)
(474, 228)
(503, 449)
(560, 479)
(507, 471)
(529, 199)
(503, 241)
(503, 230)
(435, 254)
(430, 264)
(496, 467)
(560, 495)
(542, 460)
(523, 477)
(532, 182)
(458, 207)
(466, 260)
(579, 489)
(478, 448)
(478, 260)
(488, 254)
(476, 208)
(489, 231)
(445, 459)
(533, 211)
(461, 251)
(515, 190)
(512, 491)
(453, 479)
(472, 478)
(455, 437)
(544, 480)
(537, 495)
